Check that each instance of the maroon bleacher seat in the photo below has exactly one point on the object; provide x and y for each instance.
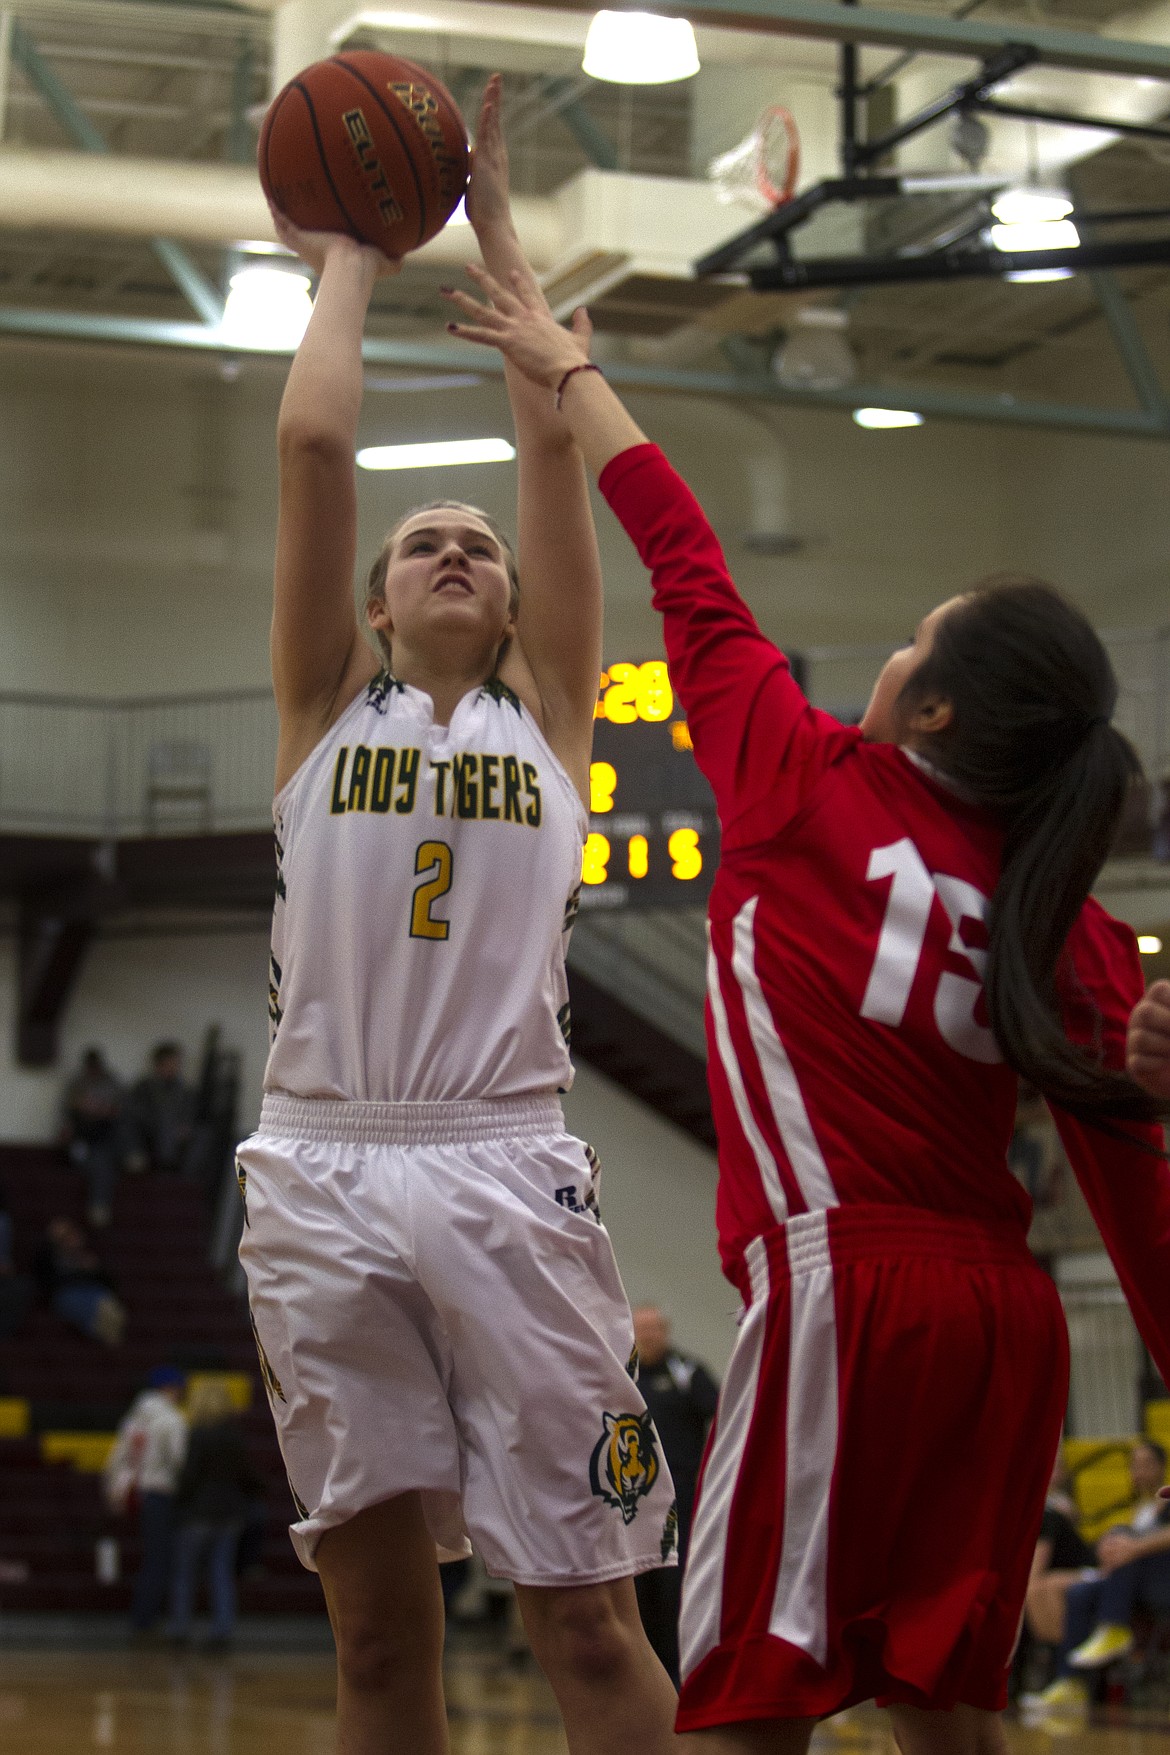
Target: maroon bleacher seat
(51, 1516)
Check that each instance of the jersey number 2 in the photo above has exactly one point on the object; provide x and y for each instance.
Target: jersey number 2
(430, 856)
(899, 951)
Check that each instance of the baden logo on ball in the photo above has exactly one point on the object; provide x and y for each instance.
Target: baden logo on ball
(368, 144)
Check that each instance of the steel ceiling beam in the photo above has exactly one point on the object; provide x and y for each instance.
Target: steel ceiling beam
(832, 21)
(188, 277)
(795, 274)
(1001, 410)
(1127, 339)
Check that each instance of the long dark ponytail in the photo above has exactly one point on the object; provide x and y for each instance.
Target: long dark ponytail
(1033, 692)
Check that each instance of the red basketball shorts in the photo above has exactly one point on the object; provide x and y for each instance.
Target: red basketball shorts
(873, 1487)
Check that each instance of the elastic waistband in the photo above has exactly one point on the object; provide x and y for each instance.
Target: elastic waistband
(837, 1235)
(410, 1124)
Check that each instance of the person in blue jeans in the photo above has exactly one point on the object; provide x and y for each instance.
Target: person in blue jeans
(1133, 1570)
(216, 1491)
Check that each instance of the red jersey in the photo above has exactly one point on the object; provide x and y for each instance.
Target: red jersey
(851, 1058)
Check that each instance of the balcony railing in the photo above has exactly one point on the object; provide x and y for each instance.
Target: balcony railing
(71, 765)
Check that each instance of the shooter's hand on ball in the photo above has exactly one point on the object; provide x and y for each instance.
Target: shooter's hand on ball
(314, 247)
(520, 324)
(1147, 1049)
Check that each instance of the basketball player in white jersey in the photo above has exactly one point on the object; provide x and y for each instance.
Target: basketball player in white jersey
(444, 1336)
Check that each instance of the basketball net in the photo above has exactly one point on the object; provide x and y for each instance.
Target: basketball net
(763, 170)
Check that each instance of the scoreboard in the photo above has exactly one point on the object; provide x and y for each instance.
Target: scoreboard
(653, 831)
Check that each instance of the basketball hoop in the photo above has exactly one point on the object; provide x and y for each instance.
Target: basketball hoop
(763, 170)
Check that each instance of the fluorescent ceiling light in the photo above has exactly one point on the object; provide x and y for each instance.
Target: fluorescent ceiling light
(880, 418)
(640, 48)
(262, 247)
(267, 307)
(1059, 234)
(410, 381)
(1032, 276)
(459, 217)
(1149, 944)
(1031, 206)
(436, 454)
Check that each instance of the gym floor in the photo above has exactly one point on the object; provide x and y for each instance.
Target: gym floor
(254, 1703)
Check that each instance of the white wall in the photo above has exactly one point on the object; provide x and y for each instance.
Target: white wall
(139, 499)
(132, 993)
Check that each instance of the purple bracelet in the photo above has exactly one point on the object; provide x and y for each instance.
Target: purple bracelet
(585, 366)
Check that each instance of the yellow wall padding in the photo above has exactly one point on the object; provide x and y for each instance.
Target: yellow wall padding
(15, 1417)
(1158, 1423)
(87, 1451)
(237, 1383)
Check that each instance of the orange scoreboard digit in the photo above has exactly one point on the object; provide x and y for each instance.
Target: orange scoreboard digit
(653, 837)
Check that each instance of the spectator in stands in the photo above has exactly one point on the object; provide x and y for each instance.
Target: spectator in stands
(15, 1289)
(1062, 1558)
(143, 1470)
(74, 1282)
(1133, 1568)
(161, 1114)
(681, 1395)
(217, 1489)
(92, 1131)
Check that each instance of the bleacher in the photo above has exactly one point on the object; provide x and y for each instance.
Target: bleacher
(62, 1395)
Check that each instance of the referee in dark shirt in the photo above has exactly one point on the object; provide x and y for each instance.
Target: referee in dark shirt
(681, 1395)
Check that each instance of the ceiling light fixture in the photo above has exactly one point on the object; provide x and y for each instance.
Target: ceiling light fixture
(436, 454)
(404, 382)
(1149, 944)
(640, 48)
(1028, 205)
(879, 419)
(1033, 276)
(1056, 234)
(267, 308)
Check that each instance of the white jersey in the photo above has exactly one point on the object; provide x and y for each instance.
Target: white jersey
(428, 878)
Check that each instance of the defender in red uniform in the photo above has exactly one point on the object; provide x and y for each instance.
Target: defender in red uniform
(899, 926)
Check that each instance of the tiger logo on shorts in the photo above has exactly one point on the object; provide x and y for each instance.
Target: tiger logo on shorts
(624, 1465)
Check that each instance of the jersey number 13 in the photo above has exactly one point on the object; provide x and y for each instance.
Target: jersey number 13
(899, 950)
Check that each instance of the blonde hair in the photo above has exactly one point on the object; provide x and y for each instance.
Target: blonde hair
(209, 1402)
(376, 577)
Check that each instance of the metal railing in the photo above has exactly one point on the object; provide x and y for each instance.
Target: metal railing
(839, 678)
(161, 765)
(178, 764)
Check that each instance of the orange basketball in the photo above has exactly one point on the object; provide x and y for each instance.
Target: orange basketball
(368, 144)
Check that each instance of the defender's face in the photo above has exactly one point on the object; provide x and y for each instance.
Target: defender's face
(447, 574)
(883, 721)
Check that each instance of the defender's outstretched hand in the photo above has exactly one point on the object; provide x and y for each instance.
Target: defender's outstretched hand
(518, 322)
(1147, 1049)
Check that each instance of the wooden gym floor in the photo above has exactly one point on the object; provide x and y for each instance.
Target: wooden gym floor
(154, 1703)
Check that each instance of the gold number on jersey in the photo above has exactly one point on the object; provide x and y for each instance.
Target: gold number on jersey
(431, 856)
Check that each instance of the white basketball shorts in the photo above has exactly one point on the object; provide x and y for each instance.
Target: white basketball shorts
(437, 1309)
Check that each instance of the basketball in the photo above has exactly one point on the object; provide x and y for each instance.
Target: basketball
(368, 144)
